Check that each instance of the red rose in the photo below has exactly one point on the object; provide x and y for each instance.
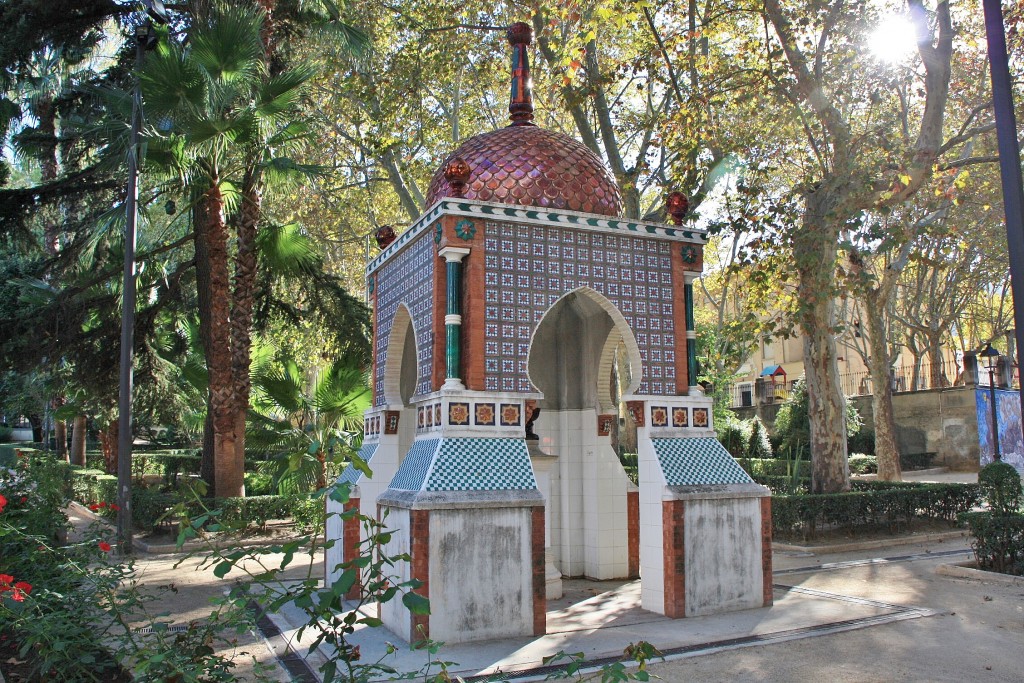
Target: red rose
(3, 502)
(104, 546)
(115, 507)
(94, 507)
(103, 504)
(24, 499)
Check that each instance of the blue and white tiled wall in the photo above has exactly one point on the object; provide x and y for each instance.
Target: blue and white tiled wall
(528, 268)
(407, 278)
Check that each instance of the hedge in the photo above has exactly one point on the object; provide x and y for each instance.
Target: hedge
(889, 506)
(91, 486)
(773, 467)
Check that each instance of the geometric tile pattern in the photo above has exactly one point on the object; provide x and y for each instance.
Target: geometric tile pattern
(350, 474)
(407, 278)
(523, 214)
(529, 267)
(698, 461)
(413, 471)
(481, 465)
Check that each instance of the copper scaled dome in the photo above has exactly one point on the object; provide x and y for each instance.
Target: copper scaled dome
(526, 165)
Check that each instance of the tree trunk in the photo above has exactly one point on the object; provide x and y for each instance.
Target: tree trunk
(814, 253)
(78, 438)
(60, 435)
(108, 444)
(228, 468)
(881, 395)
(937, 369)
(36, 421)
(242, 302)
(207, 466)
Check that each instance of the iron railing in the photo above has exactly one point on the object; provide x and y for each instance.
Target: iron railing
(904, 378)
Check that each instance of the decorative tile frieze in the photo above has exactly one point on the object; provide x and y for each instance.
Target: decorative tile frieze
(484, 414)
(680, 416)
(602, 226)
(511, 415)
(605, 424)
(659, 416)
(458, 413)
(636, 411)
(390, 421)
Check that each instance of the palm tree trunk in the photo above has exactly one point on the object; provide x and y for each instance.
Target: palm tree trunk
(242, 303)
(212, 230)
(108, 444)
(78, 434)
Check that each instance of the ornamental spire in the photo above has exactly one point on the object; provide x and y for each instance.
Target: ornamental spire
(520, 107)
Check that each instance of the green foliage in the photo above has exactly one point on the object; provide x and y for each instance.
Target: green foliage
(872, 506)
(75, 611)
(640, 652)
(863, 464)
(997, 540)
(5, 434)
(861, 442)
(300, 429)
(1000, 485)
(758, 445)
(793, 423)
(258, 484)
(774, 467)
(734, 435)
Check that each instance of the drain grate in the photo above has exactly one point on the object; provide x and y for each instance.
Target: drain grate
(177, 628)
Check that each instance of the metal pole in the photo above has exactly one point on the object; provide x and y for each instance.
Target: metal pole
(1009, 163)
(995, 414)
(124, 424)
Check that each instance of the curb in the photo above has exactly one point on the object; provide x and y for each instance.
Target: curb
(871, 545)
(966, 571)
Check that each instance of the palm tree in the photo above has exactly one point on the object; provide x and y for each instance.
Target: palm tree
(302, 425)
(215, 106)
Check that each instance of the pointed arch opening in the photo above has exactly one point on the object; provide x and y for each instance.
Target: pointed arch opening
(401, 370)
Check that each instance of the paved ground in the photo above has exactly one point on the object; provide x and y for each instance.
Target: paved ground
(974, 629)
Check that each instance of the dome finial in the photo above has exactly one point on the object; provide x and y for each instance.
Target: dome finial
(676, 206)
(456, 172)
(520, 108)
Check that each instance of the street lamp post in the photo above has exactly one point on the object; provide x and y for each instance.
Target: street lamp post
(991, 356)
(145, 39)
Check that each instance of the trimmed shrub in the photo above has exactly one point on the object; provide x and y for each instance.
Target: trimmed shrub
(758, 445)
(863, 464)
(734, 436)
(309, 514)
(888, 506)
(1001, 487)
(997, 541)
(5, 434)
(998, 533)
(771, 467)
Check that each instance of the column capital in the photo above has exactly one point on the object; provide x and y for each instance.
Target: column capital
(690, 275)
(453, 254)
